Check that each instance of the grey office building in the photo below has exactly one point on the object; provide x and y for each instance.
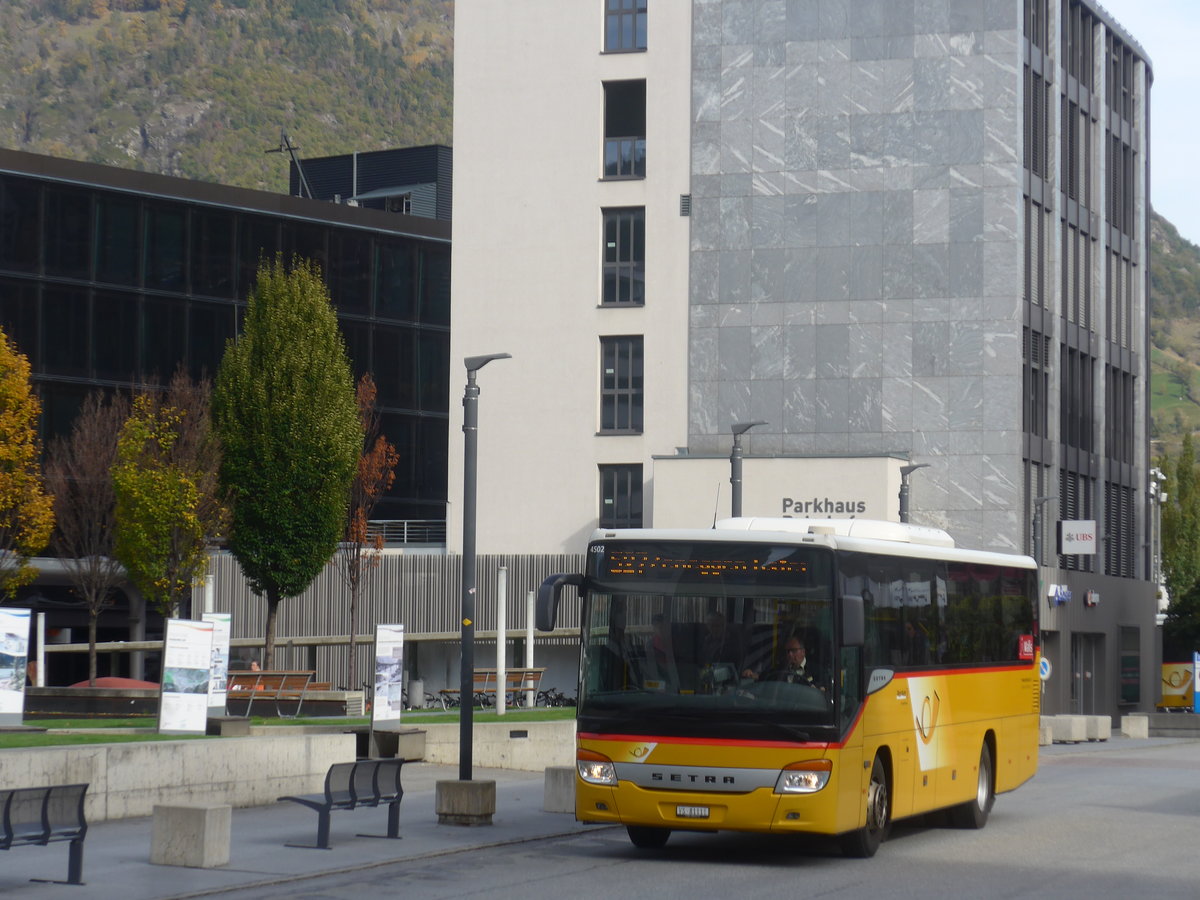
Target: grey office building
(915, 230)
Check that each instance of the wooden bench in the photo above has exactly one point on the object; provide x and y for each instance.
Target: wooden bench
(42, 815)
(280, 687)
(367, 782)
(486, 684)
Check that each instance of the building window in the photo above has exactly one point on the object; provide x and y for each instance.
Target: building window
(625, 256)
(624, 25)
(621, 390)
(621, 496)
(625, 129)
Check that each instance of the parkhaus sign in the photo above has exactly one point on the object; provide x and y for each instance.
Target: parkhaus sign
(822, 506)
(693, 491)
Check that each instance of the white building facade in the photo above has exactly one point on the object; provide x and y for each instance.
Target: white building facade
(893, 233)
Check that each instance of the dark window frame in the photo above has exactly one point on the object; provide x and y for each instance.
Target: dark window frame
(621, 496)
(625, 129)
(622, 386)
(624, 256)
(625, 26)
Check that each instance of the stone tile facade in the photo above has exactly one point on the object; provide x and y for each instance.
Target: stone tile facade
(856, 241)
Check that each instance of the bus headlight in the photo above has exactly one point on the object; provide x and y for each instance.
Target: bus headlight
(804, 777)
(595, 768)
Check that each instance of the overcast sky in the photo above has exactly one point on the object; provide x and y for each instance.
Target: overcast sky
(1169, 31)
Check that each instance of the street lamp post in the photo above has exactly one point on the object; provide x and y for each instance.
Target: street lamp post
(905, 471)
(735, 465)
(470, 468)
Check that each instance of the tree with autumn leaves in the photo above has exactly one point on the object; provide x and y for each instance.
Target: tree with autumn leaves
(359, 552)
(26, 510)
(169, 507)
(79, 474)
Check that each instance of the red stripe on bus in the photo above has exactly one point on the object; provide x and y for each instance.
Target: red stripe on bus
(706, 742)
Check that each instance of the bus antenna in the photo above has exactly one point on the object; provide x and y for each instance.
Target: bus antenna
(716, 505)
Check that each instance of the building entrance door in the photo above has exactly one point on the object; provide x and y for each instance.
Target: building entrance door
(1087, 655)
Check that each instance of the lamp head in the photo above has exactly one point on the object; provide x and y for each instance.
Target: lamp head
(475, 363)
(743, 427)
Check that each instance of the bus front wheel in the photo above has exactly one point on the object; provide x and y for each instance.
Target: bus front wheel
(648, 838)
(864, 841)
(974, 813)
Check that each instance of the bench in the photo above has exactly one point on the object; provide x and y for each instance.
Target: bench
(486, 684)
(281, 687)
(365, 783)
(42, 815)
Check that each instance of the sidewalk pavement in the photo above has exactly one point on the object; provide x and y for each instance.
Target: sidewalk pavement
(116, 856)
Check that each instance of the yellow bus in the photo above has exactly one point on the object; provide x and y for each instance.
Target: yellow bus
(802, 676)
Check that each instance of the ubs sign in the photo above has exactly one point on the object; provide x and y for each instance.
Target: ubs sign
(1077, 537)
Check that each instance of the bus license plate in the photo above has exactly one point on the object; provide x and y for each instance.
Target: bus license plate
(692, 812)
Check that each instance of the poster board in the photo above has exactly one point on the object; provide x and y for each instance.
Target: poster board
(388, 701)
(1196, 682)
(14, 658)
(218, 682)
(186, 673)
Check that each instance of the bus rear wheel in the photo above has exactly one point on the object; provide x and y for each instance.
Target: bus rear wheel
(863, 842)
(974, 813)
(648, 838)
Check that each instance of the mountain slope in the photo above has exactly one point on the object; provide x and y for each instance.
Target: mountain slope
(201, 88)
(1174, 334)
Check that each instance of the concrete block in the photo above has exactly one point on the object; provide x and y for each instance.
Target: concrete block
(191, 834)
(465, 802)
(527, 746)
(1045, 733)
(228, 726)
(559, 792)
(406, 743)
(1099, 728)
(1070, 729)
(128, 780)
(1135, 726)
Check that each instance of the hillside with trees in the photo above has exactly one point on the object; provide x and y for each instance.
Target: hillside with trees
(201, 88)
(1174, 334)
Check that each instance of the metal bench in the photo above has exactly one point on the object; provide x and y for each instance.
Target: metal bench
(280, 687)
(43, 815)
(367, 782)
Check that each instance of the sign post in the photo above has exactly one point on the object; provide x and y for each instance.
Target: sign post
(219, 670)
(14, 657)
(186, 667)
(1196, 682)
(388, 700)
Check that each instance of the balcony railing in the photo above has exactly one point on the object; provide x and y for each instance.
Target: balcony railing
(408, 531)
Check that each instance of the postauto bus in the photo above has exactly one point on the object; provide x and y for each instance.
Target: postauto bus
(918, 688)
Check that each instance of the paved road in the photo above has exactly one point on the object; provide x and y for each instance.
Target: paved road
(1108, 820)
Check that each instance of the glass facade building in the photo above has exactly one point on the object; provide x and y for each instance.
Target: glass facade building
(111, 279)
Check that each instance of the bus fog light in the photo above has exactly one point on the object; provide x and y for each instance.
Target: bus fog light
(804, 778)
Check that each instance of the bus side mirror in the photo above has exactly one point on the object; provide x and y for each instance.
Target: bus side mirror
(548, 597)
(854, 628)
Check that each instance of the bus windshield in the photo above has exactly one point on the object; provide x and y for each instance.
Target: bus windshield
(708, 639)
